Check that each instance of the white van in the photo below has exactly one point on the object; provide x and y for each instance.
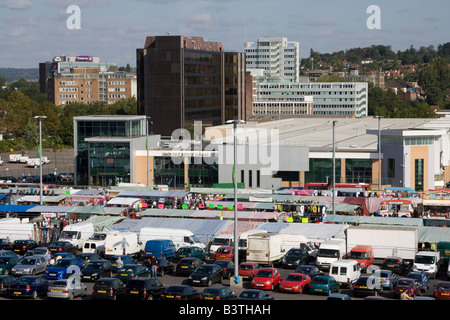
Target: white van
(96, 243)
(77, 233)
(428, 262)
(180, 237)
(122, 243)
(330, 251)
(346, 272)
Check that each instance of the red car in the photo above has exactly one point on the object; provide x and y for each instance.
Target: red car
(266, 279)
(224, 253)
(295, 282)
(247, 270)
(409, 285)
(442, 291)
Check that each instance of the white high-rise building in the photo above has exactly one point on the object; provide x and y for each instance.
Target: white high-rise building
(278, 57)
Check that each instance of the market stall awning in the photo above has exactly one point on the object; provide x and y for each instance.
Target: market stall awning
(152, 194)
(123, 201)
(15, 208)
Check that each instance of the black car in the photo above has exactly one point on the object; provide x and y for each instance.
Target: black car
(144, 289)
(28, 286)
(5, 281)
(254, 294)
(108, 289)
(395, 264)
(88, 257)
(6, 244)
(206, 274)
(217, 293)
(227, 266)
(295, 257)
(22, 246)
(180, 292)
(310, 270)
(367, 286)
(165, 266)
(186, 266)
(96, 269)
(62, 246)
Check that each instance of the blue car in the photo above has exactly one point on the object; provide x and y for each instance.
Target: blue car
(28, 286)
(59, 269)
(324, 284)
(421, 278)
(388, 279)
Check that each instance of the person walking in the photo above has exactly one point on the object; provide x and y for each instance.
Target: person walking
(154, 265)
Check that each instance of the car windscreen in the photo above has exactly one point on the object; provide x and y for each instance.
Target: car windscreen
(292, 277)
(424, 259)
(264, 274)
(28, 262)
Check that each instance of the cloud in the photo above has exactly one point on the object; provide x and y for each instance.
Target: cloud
(17, 4)
(199, 18)
(80, 3)
(320, 22)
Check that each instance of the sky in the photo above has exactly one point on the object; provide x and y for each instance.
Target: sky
(34, 31)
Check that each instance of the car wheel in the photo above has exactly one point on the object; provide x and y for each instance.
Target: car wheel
(70, 296)
(34, 295)
(84, 293)
(150, 297)
(162, 272)
(301, 289)
(209, 283)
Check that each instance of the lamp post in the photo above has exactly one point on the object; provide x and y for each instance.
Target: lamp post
(334, 167)
(40, 155)
(236, 237)
(379, 153)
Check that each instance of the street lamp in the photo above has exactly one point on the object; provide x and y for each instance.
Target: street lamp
(334, 167)
(40, 155)
(379, 153)
(236, 237)
(147, 120)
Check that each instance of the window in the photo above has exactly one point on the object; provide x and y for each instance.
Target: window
(391, 168)
(250, 178)
(418, 171)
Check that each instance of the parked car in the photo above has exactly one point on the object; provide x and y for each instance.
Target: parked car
(295, 282)
(28, 286)
(247, 270)
(295, 257)
(442, 291)
(388, 279)
(310, 270)
(39, 251)
(59, 269)
(254, 294)
(9, 253)
(62, 246)
(164, 266)
(62, 255)
(409, 285)
(188, 252)
(30, 266)
(130, 271)
(227, 268)
(338, 296)
(421, 278)
(108, 289)
(87, 257)
(7, 263)
(324, 284)
(217, 293)
(266, 279)
(22, 246)
(224, 253)
(206, 274)
(395, 264)
(367, 286)
(125, 260)
(144, 289)
(62, 290)
(5, 281)
(6, 244)
(186, 266)
(96, 269)
(180, 292)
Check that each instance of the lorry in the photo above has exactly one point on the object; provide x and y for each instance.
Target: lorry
(386, 241)
(291, 241)
(444, 250)
(180, 237)
(428, 262)
(18, 231)
(122, 243)
(329, 251)
(265, 248)
(96, 243)
(77, 233)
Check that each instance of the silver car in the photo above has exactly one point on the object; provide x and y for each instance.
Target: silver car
(61, 289)
(31, 265)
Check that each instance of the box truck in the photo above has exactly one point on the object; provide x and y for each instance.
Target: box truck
(122, 243)
(18, 231)
(265, 248)
(330, 251)
(96, 243)
(180, 237)
(77, 233)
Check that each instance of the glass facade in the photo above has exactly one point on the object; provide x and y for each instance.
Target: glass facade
(109, 163)
(358, 171)
(418, 174)
(321, 170)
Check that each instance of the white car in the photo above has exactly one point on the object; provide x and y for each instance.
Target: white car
(448, 272)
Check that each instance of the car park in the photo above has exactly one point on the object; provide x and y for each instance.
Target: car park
(421, 278)
(180, 292)
(388, 278)
(310, 270)
(367, 286)
(254, 294)
(87, 257)
(96, 269)
(247, 270)
(63, 289)
(5, 281)
(62, 246)
(295, 257)
(32, 265)
(28, 287)
(324, 284)
(108, 289)
(22, 246)
(411, 286)
(224, 253)
(442, 290)
(295, 282)
(144, 289)
(227, 268)
(187, 252)
(395, 264)
(206, 274)
(7, 263)
(217, 293)
(266, 279)
(186, 266)
(59, 270)
(130, 271)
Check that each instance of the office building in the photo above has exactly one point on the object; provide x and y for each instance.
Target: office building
(186, 79)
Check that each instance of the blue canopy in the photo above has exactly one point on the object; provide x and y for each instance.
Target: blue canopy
(15, 207)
